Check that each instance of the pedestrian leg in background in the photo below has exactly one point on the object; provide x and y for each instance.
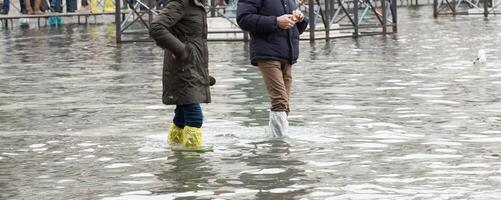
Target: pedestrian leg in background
(56, 6)
(273, 76)
(29, 9)
(71, 5)
(22, 6)
(45, 5)
(52, 21)
(55, 21)
(36, 8)
(24, 22)
(84, 6)
(125, 4)
(5, 7)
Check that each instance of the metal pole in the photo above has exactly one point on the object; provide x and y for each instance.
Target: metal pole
(118, 22)
(311, 13)
(150, 13)
(327, 19)
(454, 7)
(246, 37)
(393, 9)
(383, 5)
(322, 13)
(331, 9)
(212, 8)
(355, 17)
(486, 8)
(435, 8)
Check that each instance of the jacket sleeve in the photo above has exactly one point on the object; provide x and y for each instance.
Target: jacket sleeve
(301, 26)
(249, 20)
(168, 17)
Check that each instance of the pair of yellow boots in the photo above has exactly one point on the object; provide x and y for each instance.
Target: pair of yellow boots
(187, 136)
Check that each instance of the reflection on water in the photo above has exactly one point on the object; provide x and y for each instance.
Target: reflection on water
(396, 117)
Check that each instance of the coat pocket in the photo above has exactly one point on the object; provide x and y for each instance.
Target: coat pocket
(195, 64)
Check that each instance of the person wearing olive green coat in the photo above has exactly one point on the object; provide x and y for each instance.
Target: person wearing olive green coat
(181, 30)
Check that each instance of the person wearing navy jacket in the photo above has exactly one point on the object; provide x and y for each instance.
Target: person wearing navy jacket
(274, 27)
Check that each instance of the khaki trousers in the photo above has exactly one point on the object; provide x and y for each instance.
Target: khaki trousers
(277, 77)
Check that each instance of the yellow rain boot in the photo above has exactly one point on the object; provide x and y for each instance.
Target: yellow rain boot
(175, 135)
(192, 136)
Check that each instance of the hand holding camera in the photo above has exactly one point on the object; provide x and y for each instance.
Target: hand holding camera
(288, 21)
(298, 16)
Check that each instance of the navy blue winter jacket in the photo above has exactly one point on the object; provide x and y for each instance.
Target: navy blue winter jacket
(268, 41)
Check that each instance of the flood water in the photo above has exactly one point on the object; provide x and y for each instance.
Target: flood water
(396, 117)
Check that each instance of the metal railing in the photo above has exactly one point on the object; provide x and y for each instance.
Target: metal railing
(465, 7)
(353, 18)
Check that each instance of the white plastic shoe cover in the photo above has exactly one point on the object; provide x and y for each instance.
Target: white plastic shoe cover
(278, 124)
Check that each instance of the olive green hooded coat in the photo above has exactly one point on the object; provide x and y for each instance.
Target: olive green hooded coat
(181, 29)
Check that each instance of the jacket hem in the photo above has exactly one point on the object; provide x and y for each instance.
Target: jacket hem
(255, 59)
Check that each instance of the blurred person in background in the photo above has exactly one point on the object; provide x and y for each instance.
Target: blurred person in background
(6, 7)
(33, 7)
(56, 6)
(71, 5)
